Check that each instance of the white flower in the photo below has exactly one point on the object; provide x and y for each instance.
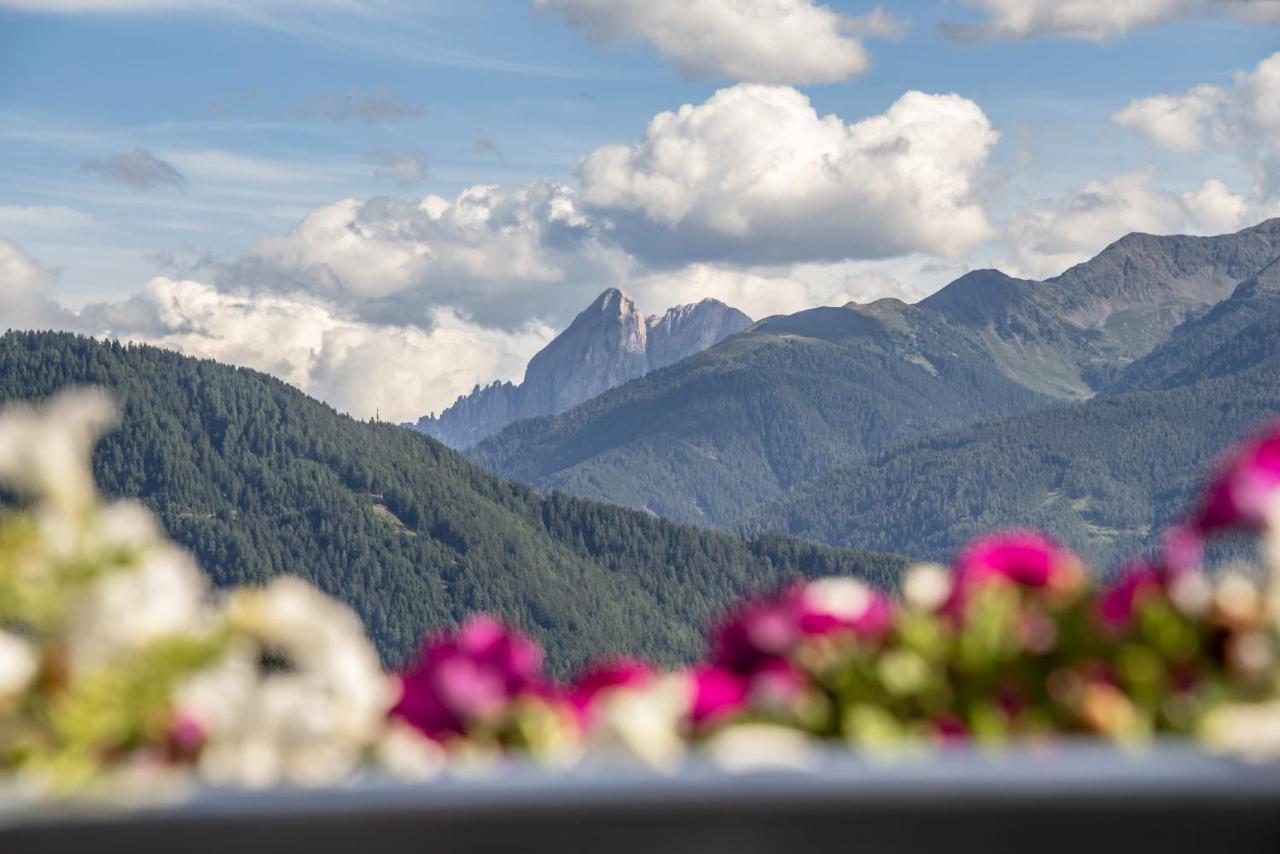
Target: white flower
(844, 598)
(301, 698)
(744, 748)
(45, 451)
(1251, 731)
(127, 609)
(17, 665)
(407, 754)
(926, 586)
(642, 723)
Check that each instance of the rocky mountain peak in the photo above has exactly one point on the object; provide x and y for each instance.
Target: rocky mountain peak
(609, 343)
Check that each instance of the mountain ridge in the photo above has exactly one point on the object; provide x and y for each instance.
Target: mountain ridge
(608, 343)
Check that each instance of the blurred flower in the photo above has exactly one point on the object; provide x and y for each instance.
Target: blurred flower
(468, 676)
(718, 694)
(1244, 485)
(926, 586)
(18, 665)
(1119, 602)
(1249, 730)
(301, 696)
(747, 748)
(771, 627)
(642, 720)
(602, 679)
(1024, 558)
(123, 611)
(45, 450)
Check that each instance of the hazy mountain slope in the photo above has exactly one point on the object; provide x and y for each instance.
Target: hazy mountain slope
(608, 343)
(1106, 475)
(794, 396)
(258, 479)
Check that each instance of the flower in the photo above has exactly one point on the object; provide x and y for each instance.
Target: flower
(18, 665)
(163, 597)
(642, 720)
(469, 676)
(299, 698)
(1120, 601)
(1023, 558)
(602, 680)
(718, 693)
(1244, 486)
(770, 628)
(45, 450)
(926, 586)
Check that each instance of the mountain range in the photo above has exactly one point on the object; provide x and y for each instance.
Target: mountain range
(257, 479)
(884, 425)
(608, 344)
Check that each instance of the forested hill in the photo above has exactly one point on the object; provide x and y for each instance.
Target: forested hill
(1106, 475)
(258, 480)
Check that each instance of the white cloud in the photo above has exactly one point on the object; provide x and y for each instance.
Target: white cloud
(1173, 121)
(1096, 20)
(766, 41)
(23, 288)
(362, 368)
(754, 174)
(1244, 116)
(1049, 237)
(496, 254)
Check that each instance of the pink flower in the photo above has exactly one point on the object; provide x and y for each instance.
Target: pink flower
(1245, 484)
(620, 673)
(717, 694)
(1120, 601)
(468, 676)
(1024, 558)
(764, 630)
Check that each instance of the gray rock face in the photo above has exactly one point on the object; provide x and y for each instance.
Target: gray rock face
(610, 343)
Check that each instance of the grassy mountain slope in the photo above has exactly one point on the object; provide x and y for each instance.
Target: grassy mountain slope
(258, 479)
(1105, 475)
(793, 397)
(711, 438)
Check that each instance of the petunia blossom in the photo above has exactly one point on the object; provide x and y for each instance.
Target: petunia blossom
(1119, 602)
(1244, 487)
(468, 676)
(603, 678)
(1023, 558)
(770, 628)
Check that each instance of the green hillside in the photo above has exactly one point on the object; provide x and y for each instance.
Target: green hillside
(258, 479)
(716, 434)
(1106, 475)
(712, 438)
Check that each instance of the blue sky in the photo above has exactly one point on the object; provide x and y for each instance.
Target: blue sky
(158, 156)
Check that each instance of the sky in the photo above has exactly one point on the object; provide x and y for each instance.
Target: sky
(386, 202)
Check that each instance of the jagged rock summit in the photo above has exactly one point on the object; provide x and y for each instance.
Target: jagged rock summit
(609, 343)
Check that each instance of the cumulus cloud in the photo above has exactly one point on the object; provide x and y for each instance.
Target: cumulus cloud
(408, 167)
(495, 254)
(1049, 237)
(24, 285)
(766, 41)
(754, 174)
(139, 169)
(1095, 20)
(400, 372)
(1244, 117)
